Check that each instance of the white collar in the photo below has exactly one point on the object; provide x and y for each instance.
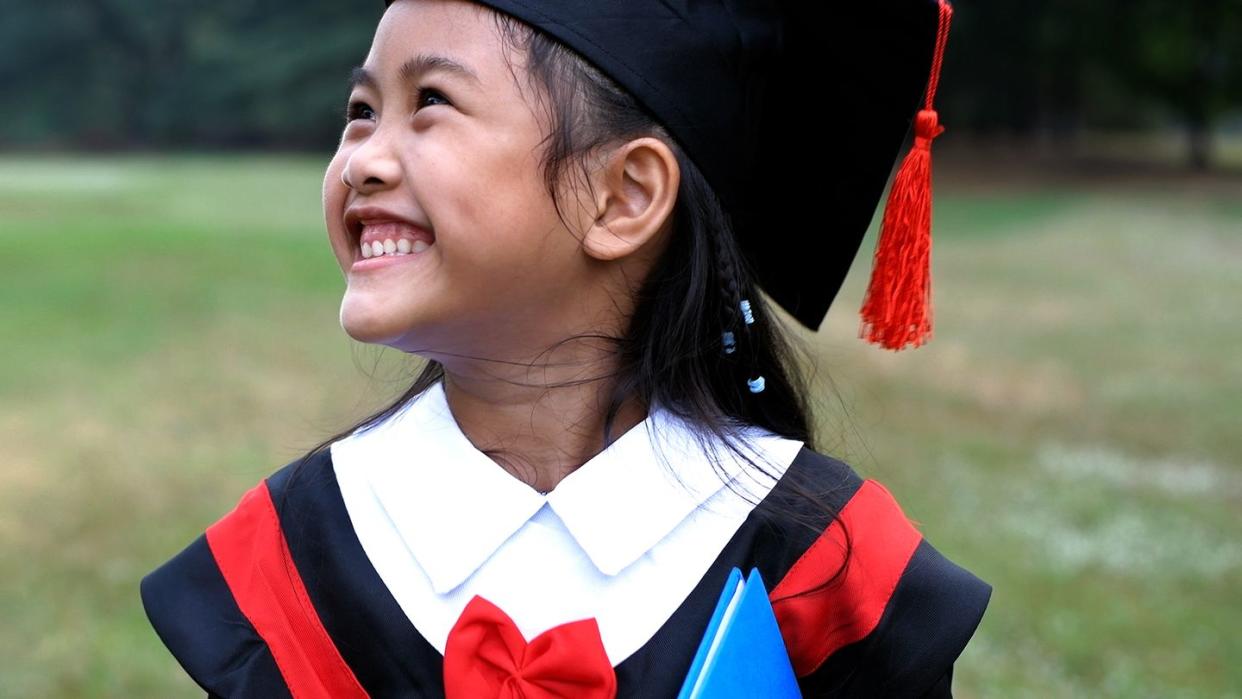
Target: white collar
(453, 506)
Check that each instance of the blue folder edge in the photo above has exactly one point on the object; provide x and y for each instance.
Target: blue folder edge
(751, 659)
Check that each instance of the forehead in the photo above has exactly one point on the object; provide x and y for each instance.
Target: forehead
(449, 37)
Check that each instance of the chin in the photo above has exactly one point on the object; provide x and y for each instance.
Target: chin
(374, 324)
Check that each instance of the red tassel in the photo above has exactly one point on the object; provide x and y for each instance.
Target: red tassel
(897, 308)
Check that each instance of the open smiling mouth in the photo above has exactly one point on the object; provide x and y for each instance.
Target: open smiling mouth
(389, 239)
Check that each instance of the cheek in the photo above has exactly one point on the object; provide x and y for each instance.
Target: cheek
(333, 189)
(334, 195)
(509, 236)
(502, 190)
(504, 275)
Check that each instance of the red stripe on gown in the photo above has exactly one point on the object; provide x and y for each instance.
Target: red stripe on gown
(252, 554)
(883, 541)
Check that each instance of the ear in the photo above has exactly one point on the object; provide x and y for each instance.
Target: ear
(635, 190)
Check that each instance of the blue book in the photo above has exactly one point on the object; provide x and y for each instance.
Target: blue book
(742, 653)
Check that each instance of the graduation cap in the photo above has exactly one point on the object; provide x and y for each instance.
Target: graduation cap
(795, 111)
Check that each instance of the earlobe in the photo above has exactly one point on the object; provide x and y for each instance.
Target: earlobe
(635, 193)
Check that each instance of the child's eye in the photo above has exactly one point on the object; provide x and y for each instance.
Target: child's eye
(355, 110)
(430, 92)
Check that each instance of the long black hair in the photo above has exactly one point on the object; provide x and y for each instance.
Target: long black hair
(672, 352)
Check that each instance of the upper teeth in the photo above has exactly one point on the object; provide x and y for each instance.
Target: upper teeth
(401, 246)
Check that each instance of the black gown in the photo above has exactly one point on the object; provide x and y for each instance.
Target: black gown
(924, 615)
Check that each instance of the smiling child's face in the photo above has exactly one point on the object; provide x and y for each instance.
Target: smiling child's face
(459, 157)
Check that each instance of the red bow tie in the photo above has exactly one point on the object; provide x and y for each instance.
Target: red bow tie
(487, 657)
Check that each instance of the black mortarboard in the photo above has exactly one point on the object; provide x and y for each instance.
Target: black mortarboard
(795, 111)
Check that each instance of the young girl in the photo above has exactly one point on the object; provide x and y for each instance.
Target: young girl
(569, 209)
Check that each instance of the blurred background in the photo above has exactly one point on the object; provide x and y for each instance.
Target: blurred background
(1070, 434)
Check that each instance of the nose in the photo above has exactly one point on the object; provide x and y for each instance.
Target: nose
(373, 165)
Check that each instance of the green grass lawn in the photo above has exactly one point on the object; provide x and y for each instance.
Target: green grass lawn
(1070, 433)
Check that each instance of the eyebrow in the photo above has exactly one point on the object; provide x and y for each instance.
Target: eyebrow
(412, 69)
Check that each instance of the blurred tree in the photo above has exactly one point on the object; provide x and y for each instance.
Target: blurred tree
(1186, 55)
(132, 73)
(1050, 69)
(250, 74)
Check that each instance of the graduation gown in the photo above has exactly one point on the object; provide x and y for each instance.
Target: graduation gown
(402, 560)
